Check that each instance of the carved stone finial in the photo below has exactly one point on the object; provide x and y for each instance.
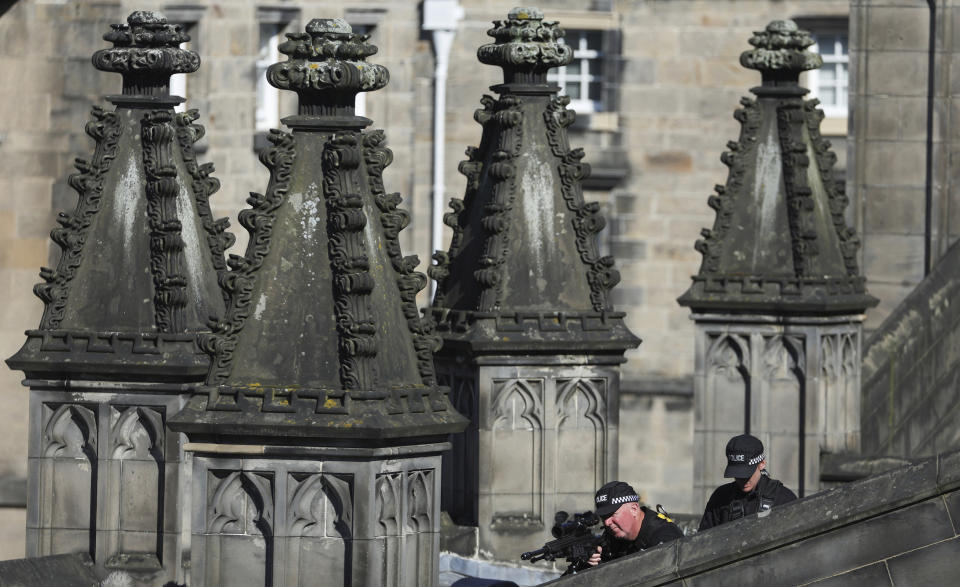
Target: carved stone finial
(524, 257)
(146, 51)
(143, 219)
(780, 52)
(327, 67)
(780, 242)
(526, 46)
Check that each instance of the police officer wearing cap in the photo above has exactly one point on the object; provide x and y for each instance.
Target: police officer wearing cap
(630, 526)
(751, 491)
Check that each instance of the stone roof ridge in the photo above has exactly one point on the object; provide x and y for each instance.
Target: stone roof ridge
(524, 251)
(140, 222)
(780, 241)
(322, 337)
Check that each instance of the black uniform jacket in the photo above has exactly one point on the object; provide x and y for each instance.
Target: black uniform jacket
(655, 529)
(728, 503)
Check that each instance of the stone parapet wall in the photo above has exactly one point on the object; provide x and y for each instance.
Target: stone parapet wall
(911, 370)
(891, 529)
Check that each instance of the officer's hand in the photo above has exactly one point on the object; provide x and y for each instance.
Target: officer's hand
(594, 559)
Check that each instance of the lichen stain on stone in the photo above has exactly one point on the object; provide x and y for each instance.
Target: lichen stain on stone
(331, 403)
(347, 423)
(125, 212)
(261, 306)
(891, 344)
(192, 253)
(940, 301)
(308, 212)
(766, 193)
(538, 189)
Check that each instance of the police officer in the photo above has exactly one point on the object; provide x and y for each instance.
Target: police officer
(751, 491)
(630, 526)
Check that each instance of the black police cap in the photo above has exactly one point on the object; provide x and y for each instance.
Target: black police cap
(744, 453)
(611, 496)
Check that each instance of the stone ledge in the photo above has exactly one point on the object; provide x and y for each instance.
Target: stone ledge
(63, 570)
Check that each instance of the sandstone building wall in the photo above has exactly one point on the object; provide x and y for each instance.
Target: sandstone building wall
(679, 80)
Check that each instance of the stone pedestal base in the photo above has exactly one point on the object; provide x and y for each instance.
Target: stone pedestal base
(104, 477)
(542, 438)
(792, 382)
(269, 515)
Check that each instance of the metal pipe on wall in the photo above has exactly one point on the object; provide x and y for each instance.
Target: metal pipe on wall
(440, 17)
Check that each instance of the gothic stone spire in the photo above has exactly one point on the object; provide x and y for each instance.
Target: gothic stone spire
(322, 337)
(780, 241)
(141, 253)
(524, 254)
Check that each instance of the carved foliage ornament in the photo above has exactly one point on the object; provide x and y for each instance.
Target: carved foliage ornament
(506, 120)
(459, 213)
(328, 56)
(780, 56)
(409, 281)
(146, 44)
(353, 282)
(105, 129)
(166, 240)
(524, 42)
(836, 190)
(588, 222)
(736, 158)
(238, 282)
(204, 185)
(800, 204)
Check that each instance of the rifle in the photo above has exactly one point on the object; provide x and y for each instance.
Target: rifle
(574, 541)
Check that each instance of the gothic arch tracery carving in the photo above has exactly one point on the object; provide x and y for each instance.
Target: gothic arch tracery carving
(508, 414)
(137, 432)
(569, 391)
(71, 432)
(242, 504)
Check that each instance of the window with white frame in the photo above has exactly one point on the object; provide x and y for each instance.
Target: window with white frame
(268, 97)
(830, 83)
(188, 16)
(274, 23)
(582, 79)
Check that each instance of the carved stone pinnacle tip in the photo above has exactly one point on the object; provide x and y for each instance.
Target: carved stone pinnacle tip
(780, 49)
(141, 17)
(525, 45)
(146, 51)
(525, 13)
(328, 25)
(328, 59)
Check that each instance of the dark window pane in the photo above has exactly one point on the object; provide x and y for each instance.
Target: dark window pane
(595, 91)
(594, 40)
(573, 90)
